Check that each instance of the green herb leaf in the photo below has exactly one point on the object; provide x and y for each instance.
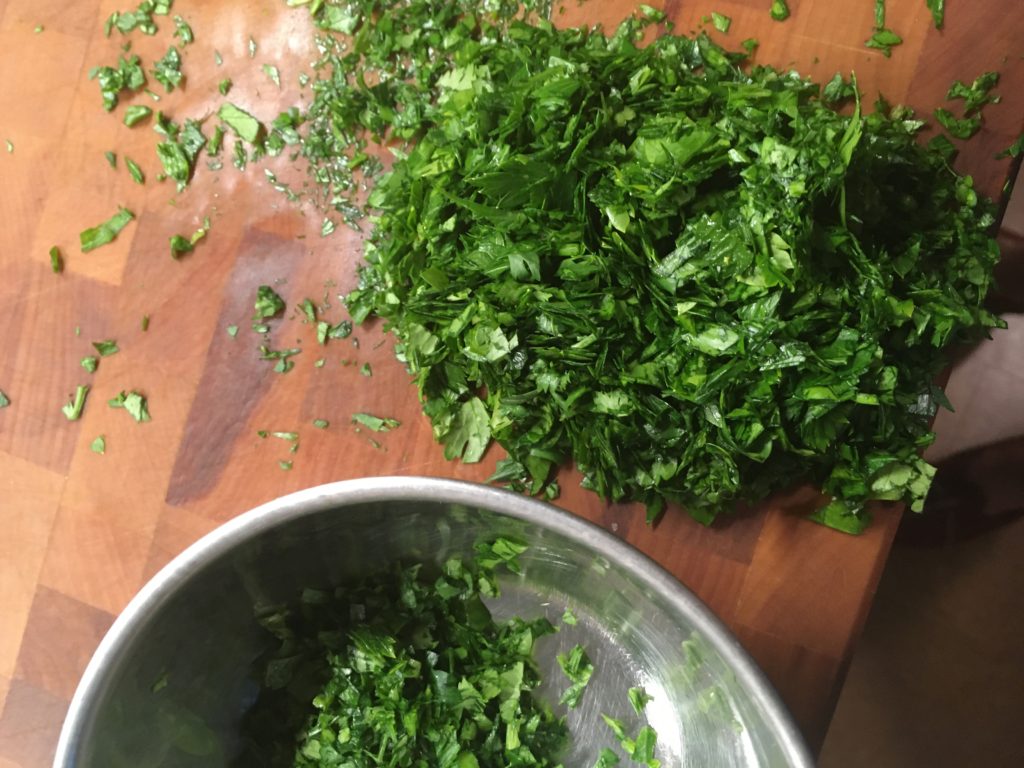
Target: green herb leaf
(376, 423)
(268, 304)
(321, 423)
(722, 23)
(577, 667)
(224, 86)
(127, 76)
(106, 348)
(73, 410)
(167, 71)
(232, 331)
(977, 94)
(90, 363)
(136, 113)
(4, 400)
(241, 122)
(960, 128)
(638, 699)
(938, 9)
(183, 31)
(779, 10)
(56, 260)
(884, 40)
(106, 232)
(366, 370)
(271, 71)
(135, 171)
(99, 445)
(134, 403)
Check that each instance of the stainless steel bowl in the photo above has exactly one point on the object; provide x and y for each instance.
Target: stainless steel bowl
(170, 681)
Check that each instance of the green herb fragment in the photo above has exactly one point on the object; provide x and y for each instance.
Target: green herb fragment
(779, 10)
(325, 330)
(232, 331)
(39, 29)
(285, 465)
(606, 758)
(90, 363)
(1014, 150)
(308, 309)
(144, 325)
(99, 445)
(976, 95)
(319, 362)
(960, 128)
(577, 667)
(268, 304)
(416, 648)
(10, 147)
(134, 403)
(938, 9)
(217, 58)
(879, 14)
(4, 400)
(569, 618)
(638, 699)
(141, 18)
(366, 370)
(56, 260)
(252, 48)
(136, 113)
(183, 31)
(100, 235)
(111, 158)
(181, 245)
(224, 86)
(639, 749)
(327, 227)
(321, 423)
(884, 40)
(73, 410)
(106, 348)
(180, 149)
(282, 356)
(241, 122)
(167, 71)
(135, 171)
(272, 72)
(721, 23)
(376, 423)
(127, 76)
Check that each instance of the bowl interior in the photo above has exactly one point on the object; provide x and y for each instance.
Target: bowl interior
(171, 684)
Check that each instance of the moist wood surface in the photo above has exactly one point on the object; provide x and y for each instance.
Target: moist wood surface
(82, 531)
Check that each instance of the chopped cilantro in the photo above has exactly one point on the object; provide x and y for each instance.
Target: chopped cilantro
(145, 323)
(958, 127)
(977, 94)
(111, 158)
(285, 465)
(321, 423)
(376, 423)
(232, 331)
(638, 699)
(73, 410)
(884, 40)
(4, 400)
(722, 23)
(268, 304)
(127, 76)
(90, 363)
(366, 370)
(134, 403)
(569, 618)
(938, 9)
(56, 260)
(327, 227)
(94, 237)
(99, 445)
(224, 86)
(252, 48)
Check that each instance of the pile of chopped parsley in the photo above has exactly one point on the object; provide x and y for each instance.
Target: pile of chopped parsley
(688, 275)
(406, 668)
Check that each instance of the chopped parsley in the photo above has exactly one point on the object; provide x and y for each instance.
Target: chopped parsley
(272, 72)
(136, 113)
(938, 9)
(167, 71)
(90, 363)
(56, 260)
(183, 31)
(99, 445)
(106, 348)
(375, 423)
(268, 304)
(779, 10)
(321, 423)
(578, 668)
(128, 76)
(4, 400)
(366, 370)
(73, 409)
(241, 122)
(134, 171)
(722, 23)
(104, 233)
(134, 403)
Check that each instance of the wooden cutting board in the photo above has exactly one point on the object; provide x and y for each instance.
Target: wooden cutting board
(82, 531)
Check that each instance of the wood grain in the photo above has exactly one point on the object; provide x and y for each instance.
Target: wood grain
(82, 531)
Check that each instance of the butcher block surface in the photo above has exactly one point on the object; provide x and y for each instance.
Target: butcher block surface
(82, 531)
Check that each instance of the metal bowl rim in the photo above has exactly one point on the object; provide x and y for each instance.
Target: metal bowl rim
(248, 525)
